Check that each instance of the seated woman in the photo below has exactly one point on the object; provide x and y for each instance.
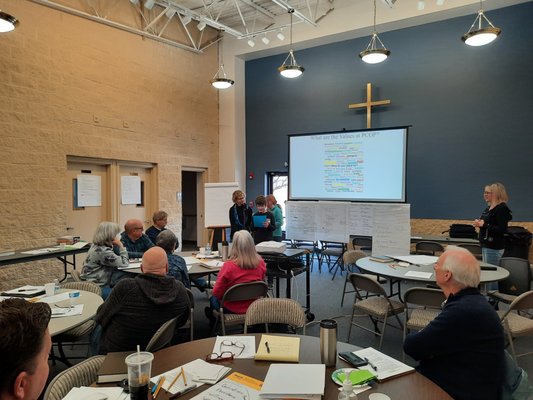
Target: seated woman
(102, 260)
(177, 267)
(244, 265)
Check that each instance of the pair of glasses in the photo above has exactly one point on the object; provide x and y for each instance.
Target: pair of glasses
(223, 356)
(237, 345)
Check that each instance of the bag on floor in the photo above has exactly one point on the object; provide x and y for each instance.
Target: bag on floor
(463, 231)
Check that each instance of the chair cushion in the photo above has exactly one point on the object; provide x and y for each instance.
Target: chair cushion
(378, 306)
(420, 318)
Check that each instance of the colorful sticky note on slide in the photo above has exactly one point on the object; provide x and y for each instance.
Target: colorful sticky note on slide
(259, 219)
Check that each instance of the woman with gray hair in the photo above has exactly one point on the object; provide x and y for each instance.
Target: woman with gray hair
(102, 260)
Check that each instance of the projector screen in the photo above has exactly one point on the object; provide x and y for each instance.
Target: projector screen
(363, 165)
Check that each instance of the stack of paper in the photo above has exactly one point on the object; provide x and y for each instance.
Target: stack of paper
(294, 381)
(96, 393)
(212, 264)
(382, 365)
(235, 386)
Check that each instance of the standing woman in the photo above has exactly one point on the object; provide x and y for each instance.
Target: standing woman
(240, 214)
(275, 209)
(244, 265)
(493, 223)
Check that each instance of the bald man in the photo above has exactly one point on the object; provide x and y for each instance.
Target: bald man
(136, 308)
(133, 238)
(461, 350)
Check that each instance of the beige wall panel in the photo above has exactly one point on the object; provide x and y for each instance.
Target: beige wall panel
(71, 86)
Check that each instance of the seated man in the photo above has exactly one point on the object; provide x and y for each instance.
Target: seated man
(136, 308)
(160, 221)
(24, 347)
(461, 350)
(134, 240)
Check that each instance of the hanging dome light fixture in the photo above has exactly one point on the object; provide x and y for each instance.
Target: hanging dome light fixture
(376, 51)
(7, 22)
(479, 33)
(290, 68)
(220, 80)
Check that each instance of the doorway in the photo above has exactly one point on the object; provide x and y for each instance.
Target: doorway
(278, 185)
(192, 205)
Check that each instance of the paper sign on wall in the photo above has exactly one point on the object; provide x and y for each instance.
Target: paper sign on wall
(89, 190)
(130, 189)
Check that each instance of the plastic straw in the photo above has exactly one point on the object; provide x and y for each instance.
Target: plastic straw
(139, 362)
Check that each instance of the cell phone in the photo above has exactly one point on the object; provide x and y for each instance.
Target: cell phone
(352, 359)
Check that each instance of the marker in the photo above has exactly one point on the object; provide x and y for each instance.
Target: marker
(372, 365)
(268, 348)
(183, 391)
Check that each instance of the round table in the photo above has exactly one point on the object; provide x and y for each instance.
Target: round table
(90, 301)
(396, 272)
(406, 387)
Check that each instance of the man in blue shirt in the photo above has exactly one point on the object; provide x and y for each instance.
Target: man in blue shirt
(462, 349)
(134, 240)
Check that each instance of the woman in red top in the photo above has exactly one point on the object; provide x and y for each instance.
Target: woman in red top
(244, 265)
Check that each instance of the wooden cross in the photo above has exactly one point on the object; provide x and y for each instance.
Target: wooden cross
(369, 104)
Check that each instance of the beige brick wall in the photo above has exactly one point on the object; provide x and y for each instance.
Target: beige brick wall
(71, 86)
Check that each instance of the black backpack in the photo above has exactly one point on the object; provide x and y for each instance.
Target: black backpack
(463, 231)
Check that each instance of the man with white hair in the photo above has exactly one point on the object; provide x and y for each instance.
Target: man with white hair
(462, 349)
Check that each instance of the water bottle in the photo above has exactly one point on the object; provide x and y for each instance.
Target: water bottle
(56, 284)
(328, 342)
(347, 392)
(225, 250)
(208, 249)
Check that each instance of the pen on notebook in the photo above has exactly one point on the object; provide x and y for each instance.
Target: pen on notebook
(268, 348)
(372, 365)
(183, 391)
(175, 379)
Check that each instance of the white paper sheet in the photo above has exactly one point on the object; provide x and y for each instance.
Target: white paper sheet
(89, 190)
(419, 274)
(247, 341)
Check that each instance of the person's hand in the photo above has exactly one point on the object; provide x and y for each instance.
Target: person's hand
(266, 223)
(117, 242)
(478, 223)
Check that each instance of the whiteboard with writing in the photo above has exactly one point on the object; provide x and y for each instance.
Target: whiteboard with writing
(387, 224)
(218, 202)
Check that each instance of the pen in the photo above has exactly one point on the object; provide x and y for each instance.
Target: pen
(372, 365)
(268, 348)
(183, 391)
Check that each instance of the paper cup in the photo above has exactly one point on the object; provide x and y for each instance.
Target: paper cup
(50, 288)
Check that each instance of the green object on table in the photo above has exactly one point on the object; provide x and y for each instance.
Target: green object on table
(357, 377)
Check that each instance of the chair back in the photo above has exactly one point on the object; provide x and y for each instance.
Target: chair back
(82, 374)
(190, 321)
(519, 279)
(83, 285)
(246, 291)
(473, 248)
(75, 275)
(362, 242)
(163, 336)
(350, 257)
(426, 247)
(424, 297)
(364, 283)
(275, 311)
(332, 247)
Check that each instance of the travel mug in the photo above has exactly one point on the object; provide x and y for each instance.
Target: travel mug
(225, 250)
(328, 342)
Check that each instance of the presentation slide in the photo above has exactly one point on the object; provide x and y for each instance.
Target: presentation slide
(366, 165)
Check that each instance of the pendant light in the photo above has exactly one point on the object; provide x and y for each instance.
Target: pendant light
(481, 33)
(290, 69)
(7, 22)
(220, 80)
(374, 54)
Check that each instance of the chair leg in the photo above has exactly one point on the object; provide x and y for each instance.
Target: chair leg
(511, 344)
(344, 289)
(351, 324)
(383, 333)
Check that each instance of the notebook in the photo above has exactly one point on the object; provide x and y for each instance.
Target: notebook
(295, 381)
(114, 368)
(278, 348)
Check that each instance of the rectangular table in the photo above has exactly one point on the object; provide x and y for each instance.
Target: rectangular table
(61, 254)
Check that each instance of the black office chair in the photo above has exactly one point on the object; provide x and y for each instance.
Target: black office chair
(363, 243)
(429, 248)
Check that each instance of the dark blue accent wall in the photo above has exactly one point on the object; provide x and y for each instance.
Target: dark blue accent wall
(470, 109)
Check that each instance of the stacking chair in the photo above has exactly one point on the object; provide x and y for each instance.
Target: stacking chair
(331, 249)
(349, 258)
(378, 307)
(190, 322)
(310, 245)
(275, 311)
(79, 332)
(428, 248)
(363, 243)
(163, 336)
(82, 374)
(75, 275)
(429, 302)
(241, 291)
(473, 248)
(518, 281)
(516, 325)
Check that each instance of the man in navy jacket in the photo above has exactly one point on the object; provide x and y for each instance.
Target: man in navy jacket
(461, 350)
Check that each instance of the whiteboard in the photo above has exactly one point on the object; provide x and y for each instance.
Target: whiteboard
(218, 202)
(387, 224)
